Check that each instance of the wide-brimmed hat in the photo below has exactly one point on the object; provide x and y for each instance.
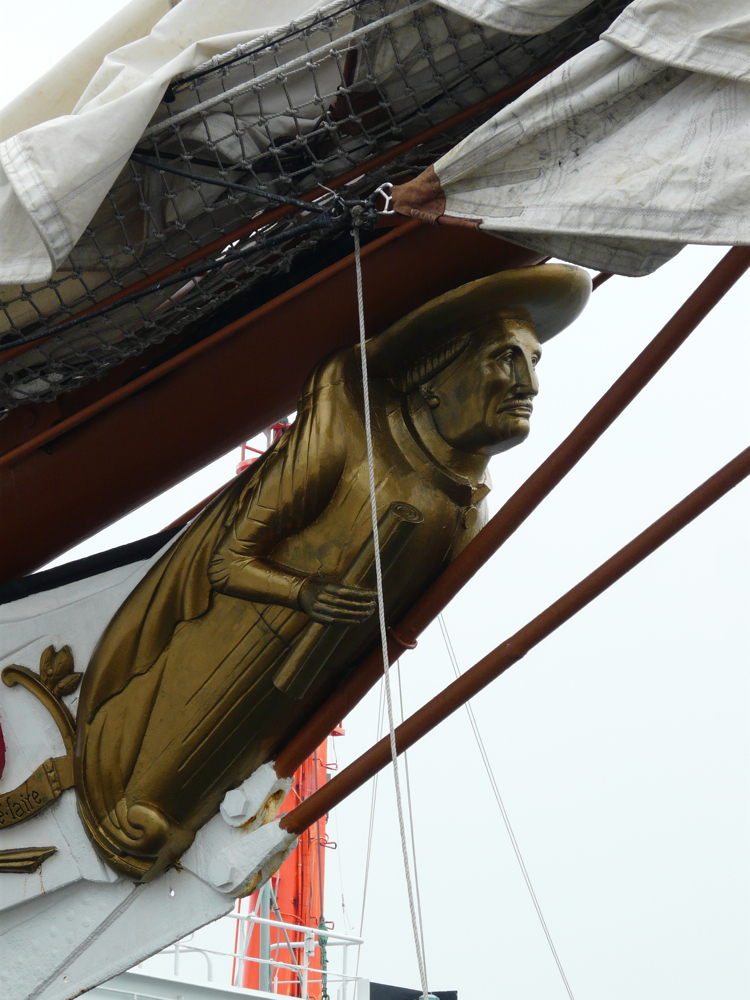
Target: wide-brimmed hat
(549, 296)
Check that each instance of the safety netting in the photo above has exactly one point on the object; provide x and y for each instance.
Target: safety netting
(334, 105)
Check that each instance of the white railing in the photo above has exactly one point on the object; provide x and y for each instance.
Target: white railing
(296, 943)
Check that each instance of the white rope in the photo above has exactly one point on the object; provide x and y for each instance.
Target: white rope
(371, 828)
(411, 818)
(381, 615)
(503, 813)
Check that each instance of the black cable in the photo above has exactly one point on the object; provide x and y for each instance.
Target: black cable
(360, 212)
(280, 199)
(321, 222)
(164, 155)
(274, 43)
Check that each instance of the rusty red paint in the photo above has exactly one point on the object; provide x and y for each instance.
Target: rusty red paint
(125, 447)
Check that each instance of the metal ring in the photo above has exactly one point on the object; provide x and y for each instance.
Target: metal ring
(385, 191)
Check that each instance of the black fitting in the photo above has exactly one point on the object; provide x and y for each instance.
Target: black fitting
(364, 214)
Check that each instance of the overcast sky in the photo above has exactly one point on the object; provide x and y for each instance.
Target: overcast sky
(620, 745)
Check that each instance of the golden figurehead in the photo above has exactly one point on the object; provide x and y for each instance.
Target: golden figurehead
(260, 607)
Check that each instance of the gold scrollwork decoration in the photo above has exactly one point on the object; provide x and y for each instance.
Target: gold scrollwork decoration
(24, 860)
(55, 680)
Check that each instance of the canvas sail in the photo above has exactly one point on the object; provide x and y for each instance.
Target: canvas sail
(632, 149)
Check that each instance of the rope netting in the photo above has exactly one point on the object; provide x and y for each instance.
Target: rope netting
(291, 113)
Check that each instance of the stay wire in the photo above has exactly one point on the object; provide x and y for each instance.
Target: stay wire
(280, 199)
(320, 222)
(371, 827)
(503, 813)
(381, 613)
(411, 818)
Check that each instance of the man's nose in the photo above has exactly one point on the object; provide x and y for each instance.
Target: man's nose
(525, 375)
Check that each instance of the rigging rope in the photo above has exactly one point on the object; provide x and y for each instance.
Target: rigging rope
(411, 817)
(320, 222)
(381, 612)
(503, 813)
(371, 826)
(336, 214)
(280, 199)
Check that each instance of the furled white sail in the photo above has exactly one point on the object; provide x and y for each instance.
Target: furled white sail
(632, 149)
(313, 102)
(56, 173)
(68, 137)
(522, 17)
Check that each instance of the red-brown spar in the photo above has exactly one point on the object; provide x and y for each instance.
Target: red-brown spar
(177, 277)
(526, 499)
(517, 646)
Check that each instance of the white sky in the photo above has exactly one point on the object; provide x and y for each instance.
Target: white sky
(34, 36)
(621, 744)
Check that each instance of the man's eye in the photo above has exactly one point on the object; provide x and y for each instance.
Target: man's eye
(535, 360)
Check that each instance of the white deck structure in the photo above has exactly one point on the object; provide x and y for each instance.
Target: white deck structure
(206, 966)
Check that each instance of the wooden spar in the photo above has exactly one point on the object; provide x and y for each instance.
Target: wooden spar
(513, 649)
(133, 443)
(515, 511)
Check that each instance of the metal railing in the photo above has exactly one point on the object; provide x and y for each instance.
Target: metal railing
(297, 944)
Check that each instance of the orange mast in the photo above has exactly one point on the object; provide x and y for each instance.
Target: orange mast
(295, 895)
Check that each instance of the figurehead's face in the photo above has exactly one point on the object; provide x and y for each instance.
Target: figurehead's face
(482, 402)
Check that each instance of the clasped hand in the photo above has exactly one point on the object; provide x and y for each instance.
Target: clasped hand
(325, 601)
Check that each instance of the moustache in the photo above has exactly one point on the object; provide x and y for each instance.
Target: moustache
(521, 403)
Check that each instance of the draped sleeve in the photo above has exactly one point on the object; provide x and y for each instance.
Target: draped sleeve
(227, 544)
(291, 490)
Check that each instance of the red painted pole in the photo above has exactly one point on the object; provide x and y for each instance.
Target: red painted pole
(515, 511)
(512, 650)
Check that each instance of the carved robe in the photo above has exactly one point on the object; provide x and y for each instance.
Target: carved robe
(178, 703)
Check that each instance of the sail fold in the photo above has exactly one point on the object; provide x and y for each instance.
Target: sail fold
(633, 148)
(628, 151)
